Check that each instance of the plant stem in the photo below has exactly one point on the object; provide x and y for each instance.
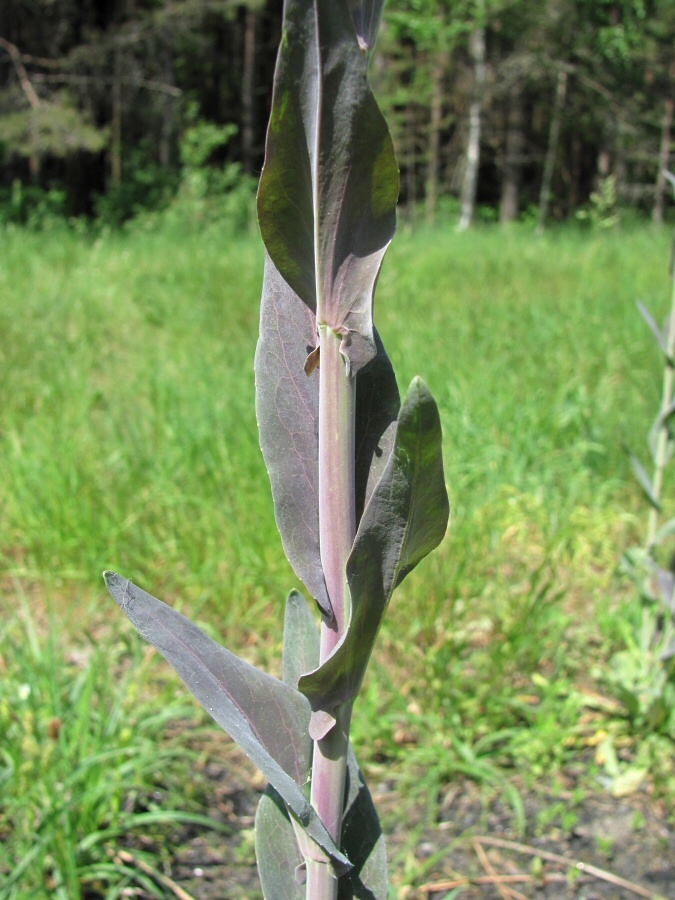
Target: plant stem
(661, 455)
(337, 396)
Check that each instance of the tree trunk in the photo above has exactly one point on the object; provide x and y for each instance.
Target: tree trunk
(664, 155)
(247, 118)
(470, 179)
(515, 142)
(552, 149)
(434, 159)
(168, 116)
(116, 123)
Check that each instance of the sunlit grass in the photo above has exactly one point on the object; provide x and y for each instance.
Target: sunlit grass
(128, 441)
(86, 766)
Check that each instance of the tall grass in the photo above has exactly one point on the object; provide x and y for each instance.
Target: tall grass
(128, 441)
(85, 766)
(127, 425)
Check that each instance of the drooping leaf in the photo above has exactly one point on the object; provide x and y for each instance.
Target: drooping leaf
(645, 481)
(405, 519)
(278, 856)
(266, 717)
(301, 640)
(328, 190)
(287, 408)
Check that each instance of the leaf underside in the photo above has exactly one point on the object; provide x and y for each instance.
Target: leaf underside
(276, 848)
(266, 717)
(406, 517)
(287, 408)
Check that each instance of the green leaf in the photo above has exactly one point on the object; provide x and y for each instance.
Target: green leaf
(301, 640)
(278, 856)
(405, 519)
(645, 481)
(266, 718)
(328, 190)
(658, 334)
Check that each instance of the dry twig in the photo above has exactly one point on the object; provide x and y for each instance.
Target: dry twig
(600, 874)
(169, 883)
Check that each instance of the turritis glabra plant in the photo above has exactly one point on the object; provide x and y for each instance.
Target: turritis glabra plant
(357, 475)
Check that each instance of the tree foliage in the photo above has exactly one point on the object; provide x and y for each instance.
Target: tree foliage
(92, 94)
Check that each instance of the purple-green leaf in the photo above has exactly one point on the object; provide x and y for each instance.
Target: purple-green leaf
(280, 863)
(287, 407)
(301, 640)
(266, 717)
(377, 406)
(328, 190)
(362, 840)
(404, 520)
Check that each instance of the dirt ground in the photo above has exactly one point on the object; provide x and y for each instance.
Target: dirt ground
(612, 847)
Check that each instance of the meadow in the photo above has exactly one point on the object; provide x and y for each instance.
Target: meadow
(128, 441)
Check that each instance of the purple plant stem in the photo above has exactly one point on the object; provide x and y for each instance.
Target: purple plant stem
(337, 396)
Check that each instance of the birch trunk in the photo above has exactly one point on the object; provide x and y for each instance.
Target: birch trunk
(470, 180)
(664, 156)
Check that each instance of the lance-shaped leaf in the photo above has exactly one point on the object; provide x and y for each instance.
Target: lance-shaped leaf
(287, 407)
(405, 519)
(366, 15)
(659, 335)
(362, 840)
(266, 718)
(279, 857)
(280, 862)
(328, 190)
(301, 640)
(377, 407)
(645, 481)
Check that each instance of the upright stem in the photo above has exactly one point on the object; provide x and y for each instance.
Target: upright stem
(661, 456)
(336, 534)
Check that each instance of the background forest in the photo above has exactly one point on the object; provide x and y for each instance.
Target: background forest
(520, 106)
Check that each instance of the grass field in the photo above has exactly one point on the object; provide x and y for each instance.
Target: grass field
(128, 441)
